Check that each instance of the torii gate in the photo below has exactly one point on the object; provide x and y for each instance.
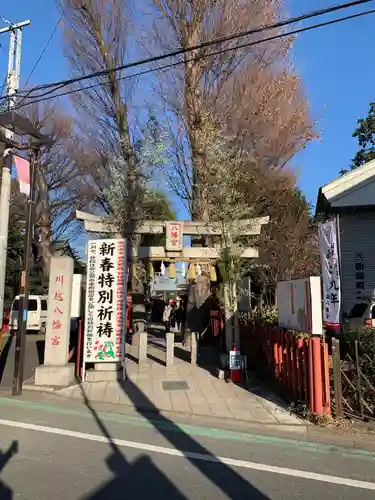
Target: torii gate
(174, 232)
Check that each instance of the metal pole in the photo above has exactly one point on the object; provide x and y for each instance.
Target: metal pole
(13, 80)
(24, 295)
(359, 384)
(339, 410)
(13, 27)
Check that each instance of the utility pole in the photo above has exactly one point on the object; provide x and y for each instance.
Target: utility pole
(23, 306)
(12, 85)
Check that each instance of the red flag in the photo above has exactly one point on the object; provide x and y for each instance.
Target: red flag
(23, 172)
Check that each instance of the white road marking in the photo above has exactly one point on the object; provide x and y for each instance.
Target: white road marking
(285, 471)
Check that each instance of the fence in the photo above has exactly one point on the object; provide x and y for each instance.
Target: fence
(298, 367)
(353, 373)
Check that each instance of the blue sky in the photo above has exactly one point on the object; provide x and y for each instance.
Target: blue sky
(334, 63)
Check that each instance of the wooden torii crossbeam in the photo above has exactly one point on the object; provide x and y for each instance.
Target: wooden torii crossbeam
(249, 227)
(174, 249)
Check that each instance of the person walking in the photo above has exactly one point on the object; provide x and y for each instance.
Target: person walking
(148, 305)
(173, 314)
(180, 316)
(167, 316)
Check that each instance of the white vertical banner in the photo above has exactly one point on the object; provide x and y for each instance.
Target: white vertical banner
(105, 301)
(329, 260)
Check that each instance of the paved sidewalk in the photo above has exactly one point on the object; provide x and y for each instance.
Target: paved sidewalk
(183, 388)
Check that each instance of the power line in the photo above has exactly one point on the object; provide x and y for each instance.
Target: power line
(63, 83)
(46, 97)
(44, 50)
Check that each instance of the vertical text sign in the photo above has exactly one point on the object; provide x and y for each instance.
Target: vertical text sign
(359, 262)
(174, 236)
(329, 261)
(59, 304)
(105, 301)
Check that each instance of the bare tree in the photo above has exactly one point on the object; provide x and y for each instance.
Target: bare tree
(252, 94)
(115, 179)
(96, 36)
(253, 91)
(288, 244)
(56, 179)
(267, 110)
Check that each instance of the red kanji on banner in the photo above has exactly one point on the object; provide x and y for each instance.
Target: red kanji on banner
(58, 310)
(60, 280)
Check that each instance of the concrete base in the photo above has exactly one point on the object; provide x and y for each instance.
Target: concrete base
(169, 352)
(55, 375)
(104, 376)
(221, 374)
(108, 367)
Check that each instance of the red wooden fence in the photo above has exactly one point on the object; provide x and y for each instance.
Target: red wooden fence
(299, 367)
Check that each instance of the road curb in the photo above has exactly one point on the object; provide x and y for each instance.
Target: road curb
(218, 429)
(38, 388)
(296, 428)
(306, 432)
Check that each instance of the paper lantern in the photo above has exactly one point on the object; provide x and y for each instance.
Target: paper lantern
(172, 270)
(192, 272)
(213, 276)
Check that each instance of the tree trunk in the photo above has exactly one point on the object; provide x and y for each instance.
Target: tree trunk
(44, 220)
(197, 314)
(138, 295)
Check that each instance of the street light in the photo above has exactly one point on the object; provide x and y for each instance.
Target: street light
(29, 139)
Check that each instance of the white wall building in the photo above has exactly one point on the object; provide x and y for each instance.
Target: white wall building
(351, 198)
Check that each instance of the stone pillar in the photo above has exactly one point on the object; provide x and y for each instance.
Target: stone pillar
(169, 351)
(193, 348)
(56, 369)
(142, 347)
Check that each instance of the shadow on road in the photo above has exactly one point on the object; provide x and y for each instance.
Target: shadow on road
(144, 479)
(141, 479)
(5, 492)
(34, 356)
(4, 356)
(40, 348)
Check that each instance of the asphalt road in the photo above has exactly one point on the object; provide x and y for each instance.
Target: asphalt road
(33, 357)
(52, 449)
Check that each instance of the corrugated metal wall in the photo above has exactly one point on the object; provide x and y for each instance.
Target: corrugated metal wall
(357, 239)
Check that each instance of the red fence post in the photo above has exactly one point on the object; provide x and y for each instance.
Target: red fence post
(310, 364)
(294, 366)
(326, 384)
(275, 348)
(300, 369)
(289, 353)
(318, 379)
(306, 371)
(284, 365)
(280, 349)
